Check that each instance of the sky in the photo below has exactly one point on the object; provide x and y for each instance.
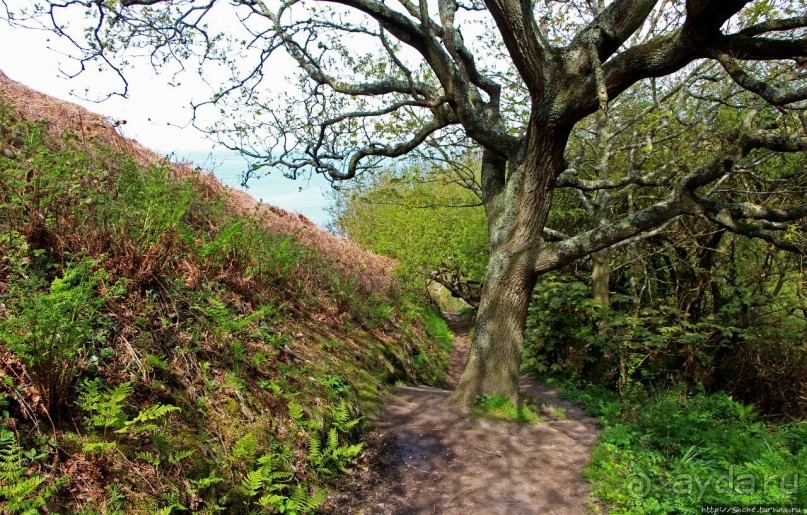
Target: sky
(154, 111)
(157, 114)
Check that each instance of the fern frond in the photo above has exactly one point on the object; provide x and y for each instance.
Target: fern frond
(314, 448)
(272, 500)
(253, 482)
(303, 502)
(155, 412)
(176, 457)
(341, 414)
(150, 414)
(333, 440)
(295, 411)
(20, 490)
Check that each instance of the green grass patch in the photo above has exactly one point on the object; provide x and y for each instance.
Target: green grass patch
(437, 329)
(499, 407)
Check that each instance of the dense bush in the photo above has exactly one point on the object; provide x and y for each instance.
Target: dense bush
(758, 357)
(656, 378)
(53, 329)
(428, 223)
(674, 452)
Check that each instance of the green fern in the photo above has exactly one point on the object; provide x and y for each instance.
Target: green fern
(253, 482)
(48, 330)
(143, 422)
(333, 440)
(151, 458)
(21, 491)
(330, 456)
(266, 478)
(303, 502)
(98, 448)
(174, 458)
(275, 487)
(205, 482)
(105, 409)
(272, 500)
(103, 405)
(299, 501)
(314, 449)
(295, 411)
(341, 418)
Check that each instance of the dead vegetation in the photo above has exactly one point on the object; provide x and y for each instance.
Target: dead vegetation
(91, 128)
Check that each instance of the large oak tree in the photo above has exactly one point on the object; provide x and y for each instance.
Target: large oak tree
(381, 79)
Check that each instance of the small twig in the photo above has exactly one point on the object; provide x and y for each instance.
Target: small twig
(135, 357)
(452, 501)
(486, 452)
(136, 471)
(414, 467)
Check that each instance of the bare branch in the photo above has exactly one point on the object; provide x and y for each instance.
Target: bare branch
(613, 26)
(775, 26)
(557, 255)
(741, 46)
(725, 218)
(522, 38)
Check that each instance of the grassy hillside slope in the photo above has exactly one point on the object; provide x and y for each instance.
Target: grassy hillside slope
(170, 345)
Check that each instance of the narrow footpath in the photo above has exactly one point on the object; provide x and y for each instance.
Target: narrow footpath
(423, 458)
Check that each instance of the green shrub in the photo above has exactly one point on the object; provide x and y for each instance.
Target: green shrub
(562, 335)
(673, 453)
(758, 355)
(52, 330)
(387, 213)
(150, 203)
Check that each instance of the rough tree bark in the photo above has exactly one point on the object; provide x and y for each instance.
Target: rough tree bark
(600, 277)
(517, 210)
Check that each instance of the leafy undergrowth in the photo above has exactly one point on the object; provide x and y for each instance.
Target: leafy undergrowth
(163, 354)
(675, 452)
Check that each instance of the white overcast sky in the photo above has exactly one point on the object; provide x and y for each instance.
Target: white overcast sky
(152, 111)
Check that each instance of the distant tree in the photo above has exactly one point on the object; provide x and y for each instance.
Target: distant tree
(381, 80)
(427, 218)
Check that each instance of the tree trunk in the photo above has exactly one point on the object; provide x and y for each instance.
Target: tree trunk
(600, 277)
(495, 357)
(517, 212)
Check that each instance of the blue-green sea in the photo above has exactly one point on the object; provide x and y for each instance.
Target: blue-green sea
(306, 195)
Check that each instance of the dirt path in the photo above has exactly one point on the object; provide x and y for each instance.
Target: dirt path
(422, 458)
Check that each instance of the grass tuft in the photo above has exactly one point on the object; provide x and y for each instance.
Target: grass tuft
(499, 407)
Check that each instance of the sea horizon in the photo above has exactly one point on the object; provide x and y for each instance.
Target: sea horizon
(305, 195)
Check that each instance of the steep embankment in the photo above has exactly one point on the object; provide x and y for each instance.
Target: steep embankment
(169, 344)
